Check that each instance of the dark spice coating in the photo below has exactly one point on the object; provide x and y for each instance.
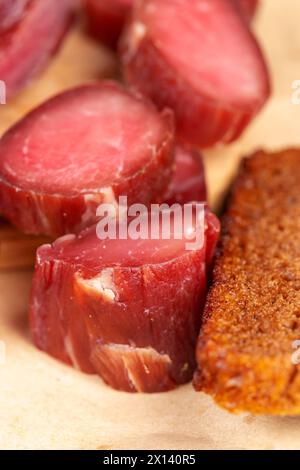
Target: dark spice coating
(252, 315)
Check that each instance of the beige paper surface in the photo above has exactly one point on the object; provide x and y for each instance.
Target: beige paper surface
(44, 404)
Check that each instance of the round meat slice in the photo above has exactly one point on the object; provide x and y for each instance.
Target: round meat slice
(127, 309)
(199, 58)
(11, 11)
(85, 146)
(188, 182)
(26, 48)
(106, 18)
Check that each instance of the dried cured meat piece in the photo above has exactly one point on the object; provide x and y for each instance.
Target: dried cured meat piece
(85, 146)
(199, 58)
(126, 309)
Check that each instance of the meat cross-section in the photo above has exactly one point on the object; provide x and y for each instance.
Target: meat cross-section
(85, 146)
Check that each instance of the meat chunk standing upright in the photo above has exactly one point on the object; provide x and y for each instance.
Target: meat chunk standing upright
(199, 58)
(126, 309)
(82, 147)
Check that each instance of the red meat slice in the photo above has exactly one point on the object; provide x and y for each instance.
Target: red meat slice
(106, 18)
(199, 58)
(127, 310)
(26, 48)
(188, 183)
(84, 146)
(11, 12)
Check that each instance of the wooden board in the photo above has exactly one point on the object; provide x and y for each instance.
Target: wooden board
(44, 404)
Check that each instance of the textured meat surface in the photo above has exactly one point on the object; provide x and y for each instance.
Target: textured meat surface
(106, 18)
(188, 182)
(199, 58)
(11, 11)
(128, 310)
(245, 353)
(26, 49)
(82, 147)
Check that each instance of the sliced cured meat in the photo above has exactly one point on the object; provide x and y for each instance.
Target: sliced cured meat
(11, 12)
(26, 48)
(106, 18)
(248, 349)
(247, 8)
(188, 182)
(126, 309)
(84, 146)
(199, 58)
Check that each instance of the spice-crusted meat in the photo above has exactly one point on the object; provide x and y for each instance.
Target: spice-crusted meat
(246, 351)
